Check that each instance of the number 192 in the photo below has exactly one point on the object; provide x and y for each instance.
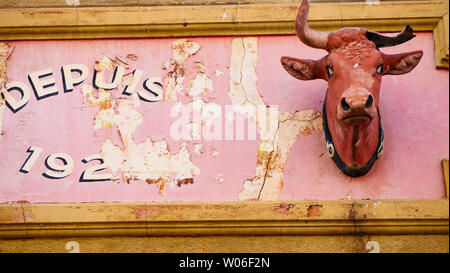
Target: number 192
(60, 165)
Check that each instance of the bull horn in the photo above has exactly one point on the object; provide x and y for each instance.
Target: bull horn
(383, 40)
(307, 35)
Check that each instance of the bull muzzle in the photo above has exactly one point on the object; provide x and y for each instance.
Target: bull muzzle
(356, 109)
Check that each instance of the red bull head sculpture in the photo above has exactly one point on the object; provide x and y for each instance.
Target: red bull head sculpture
(353, 69)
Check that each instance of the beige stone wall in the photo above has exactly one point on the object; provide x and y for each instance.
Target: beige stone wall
(233, 244)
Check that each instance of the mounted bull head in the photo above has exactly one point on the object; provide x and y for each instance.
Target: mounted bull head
(353, 69)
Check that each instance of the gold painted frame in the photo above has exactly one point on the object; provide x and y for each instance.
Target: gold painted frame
(339, 217)
(260, 226)
(21, 221)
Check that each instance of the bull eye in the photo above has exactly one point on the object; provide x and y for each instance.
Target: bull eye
(380, 68)
(380, 150)
(330, 70)
(330, 149)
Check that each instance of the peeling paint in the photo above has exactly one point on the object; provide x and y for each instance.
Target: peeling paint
(73, 2)
(149, 161)
(182, 49)
(352, 212)
(165, 65)
(5, 51)
(198, 148)
(200, 84)
(173, 84)
(105, 63)
(284, 208)
(219, 73)
(373, 2)
(101, 98)
(173, 80)
(209, 110)
(2, 108)
(275, 141)
(199, 65)
(194, 130)
(219, 178)
(204, 112)
(349, 196)
(375, 207)
(313, 210)
(132, 57)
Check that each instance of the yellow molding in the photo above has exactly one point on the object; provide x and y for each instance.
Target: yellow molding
(441, 40)
(343, 217)
(334, 13)
(445, 170)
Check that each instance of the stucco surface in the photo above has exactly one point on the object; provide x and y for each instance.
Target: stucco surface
(414, 113)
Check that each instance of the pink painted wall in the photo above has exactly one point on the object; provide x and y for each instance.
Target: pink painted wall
(414, 111)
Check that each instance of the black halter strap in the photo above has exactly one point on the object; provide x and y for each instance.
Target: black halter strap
(347, 170)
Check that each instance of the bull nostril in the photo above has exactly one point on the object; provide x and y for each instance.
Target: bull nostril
(369, 101)
(345, 105)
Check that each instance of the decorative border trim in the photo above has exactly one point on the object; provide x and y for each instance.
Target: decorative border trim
(208, 20)
(446, 171)
(441, 40)
(343, 217)
(18, 221)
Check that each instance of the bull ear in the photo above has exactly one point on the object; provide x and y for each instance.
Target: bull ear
(301, 69)
(401, 63)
